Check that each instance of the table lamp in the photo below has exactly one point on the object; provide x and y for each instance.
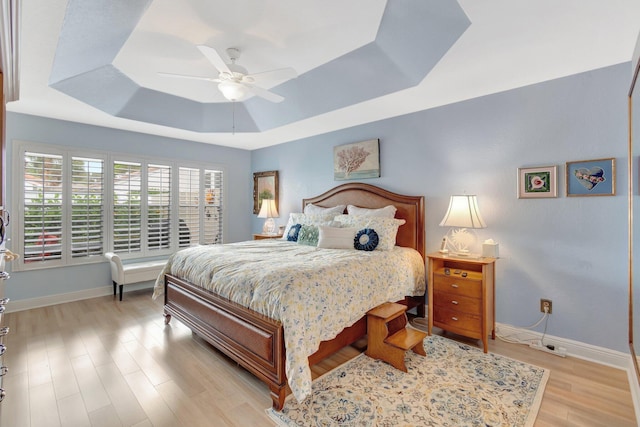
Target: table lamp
(463, 213)
(269, 211)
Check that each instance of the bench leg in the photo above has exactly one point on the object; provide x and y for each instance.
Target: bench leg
(121, 286)
(114, 287)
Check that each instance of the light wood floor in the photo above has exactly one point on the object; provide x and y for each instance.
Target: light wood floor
(101, 362)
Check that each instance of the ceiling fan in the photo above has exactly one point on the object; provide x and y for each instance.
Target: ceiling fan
(234, 81)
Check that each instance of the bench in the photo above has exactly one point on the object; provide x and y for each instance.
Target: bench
(135, 272)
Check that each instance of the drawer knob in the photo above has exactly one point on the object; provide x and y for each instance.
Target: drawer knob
(454, 285)
(4, 331)
(454, 318)
(4, 301)
(4, 275)
(3, 371)
(454, 302)
(2, 394)
(3, 348)
(2, 308)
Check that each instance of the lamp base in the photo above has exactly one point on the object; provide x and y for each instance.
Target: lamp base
(269, 226)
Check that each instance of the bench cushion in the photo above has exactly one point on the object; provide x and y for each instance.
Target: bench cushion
(142, 271)
(134, 272)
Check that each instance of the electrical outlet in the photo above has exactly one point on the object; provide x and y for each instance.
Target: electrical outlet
(546, 303)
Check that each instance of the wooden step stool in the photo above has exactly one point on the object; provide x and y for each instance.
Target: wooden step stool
(388, 336)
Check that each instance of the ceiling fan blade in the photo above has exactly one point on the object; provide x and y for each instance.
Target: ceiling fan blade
(184, 76)
(278, 74)
(263, 93)
(214, 57)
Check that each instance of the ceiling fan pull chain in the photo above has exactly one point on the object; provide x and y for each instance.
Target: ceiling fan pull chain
(233, 118)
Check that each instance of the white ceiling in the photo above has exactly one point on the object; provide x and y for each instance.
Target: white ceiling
(509, 44)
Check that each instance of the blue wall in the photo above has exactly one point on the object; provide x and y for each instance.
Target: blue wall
(570, 250)
(238, 201)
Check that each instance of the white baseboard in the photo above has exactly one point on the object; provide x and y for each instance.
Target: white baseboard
(635, 389)
(26, 304)
(592, 353)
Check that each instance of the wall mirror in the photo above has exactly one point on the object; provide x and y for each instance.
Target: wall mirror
(634, 219)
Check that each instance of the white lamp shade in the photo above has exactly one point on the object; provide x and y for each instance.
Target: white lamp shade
(233, 91)
(463, 212)
(268, 209)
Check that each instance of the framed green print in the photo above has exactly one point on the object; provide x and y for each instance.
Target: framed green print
(537, 182)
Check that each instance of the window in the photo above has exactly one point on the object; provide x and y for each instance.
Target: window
(159, 215)
(43, 207)
(127, 207)
(87, 207)
(76, 206)
(200, 206)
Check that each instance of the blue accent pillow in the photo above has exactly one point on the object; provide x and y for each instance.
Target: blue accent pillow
(292, 235)
(366, 240)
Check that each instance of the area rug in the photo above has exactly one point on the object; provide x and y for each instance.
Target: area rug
(455, 385)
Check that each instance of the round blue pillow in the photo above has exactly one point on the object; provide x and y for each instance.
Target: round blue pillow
(366, 240)
(292, 235)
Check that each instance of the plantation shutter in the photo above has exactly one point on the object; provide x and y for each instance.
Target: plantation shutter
(127, 208)
(43, 206)
(213, 207)
(87, 199)
(188, 210)
(159, 208)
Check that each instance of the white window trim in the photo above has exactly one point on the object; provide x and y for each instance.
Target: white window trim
(17, 197)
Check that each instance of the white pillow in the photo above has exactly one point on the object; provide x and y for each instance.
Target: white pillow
(386, 228)
(336, 238)
(306, 219)
(386, 212)
(313, 209)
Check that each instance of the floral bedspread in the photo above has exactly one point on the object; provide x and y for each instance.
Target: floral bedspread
(313, 292)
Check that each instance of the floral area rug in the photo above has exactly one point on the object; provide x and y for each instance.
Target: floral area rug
(455, 385)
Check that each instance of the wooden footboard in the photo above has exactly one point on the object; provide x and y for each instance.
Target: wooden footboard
(255, 341)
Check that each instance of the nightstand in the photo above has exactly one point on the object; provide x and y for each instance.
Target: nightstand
(462, 296)
(260, 236)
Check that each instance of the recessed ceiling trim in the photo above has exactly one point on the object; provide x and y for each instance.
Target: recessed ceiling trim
(406, 48)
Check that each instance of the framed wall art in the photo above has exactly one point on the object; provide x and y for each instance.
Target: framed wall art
(591, 177)
(356, 161)
(265, 186)
(537, 182)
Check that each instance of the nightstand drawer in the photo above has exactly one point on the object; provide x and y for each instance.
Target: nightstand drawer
(458, 322)
(458, 286)
(448, 301)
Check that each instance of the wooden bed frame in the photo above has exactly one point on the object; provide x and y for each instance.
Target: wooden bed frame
(255, 341)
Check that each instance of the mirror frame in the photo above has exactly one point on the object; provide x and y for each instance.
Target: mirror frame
(631, 172)
(260, 180)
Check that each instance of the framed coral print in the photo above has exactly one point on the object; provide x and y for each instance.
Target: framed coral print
(591, 178)
(265, 186)
(537, 182)
(356, 161)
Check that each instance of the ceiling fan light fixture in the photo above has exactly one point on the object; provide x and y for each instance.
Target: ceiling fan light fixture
(233, 91)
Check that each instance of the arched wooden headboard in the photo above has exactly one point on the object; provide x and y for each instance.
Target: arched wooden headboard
(409, 208)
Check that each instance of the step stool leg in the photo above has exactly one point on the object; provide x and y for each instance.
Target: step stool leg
(419, 349)
(395, 357)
